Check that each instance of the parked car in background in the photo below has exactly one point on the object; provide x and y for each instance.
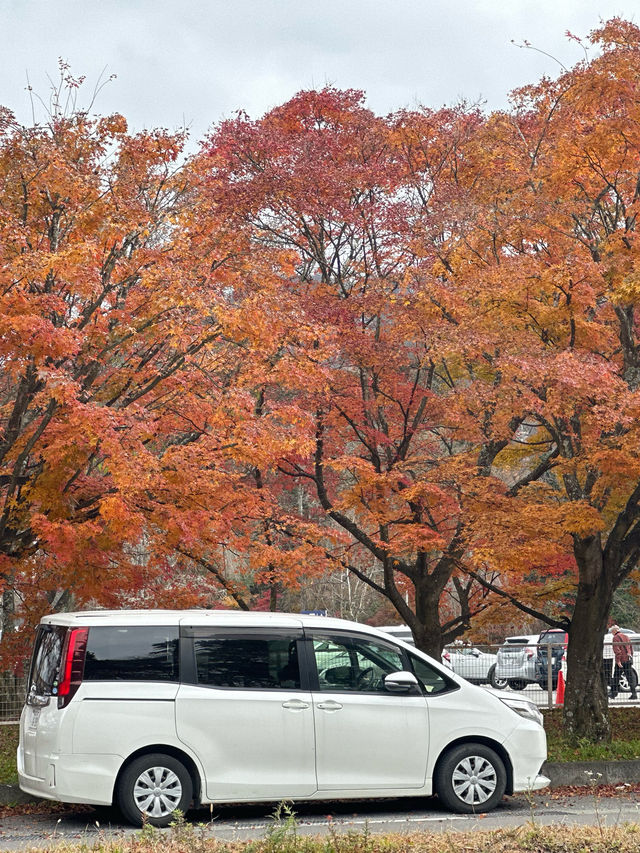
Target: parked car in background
(554, 641)
(471, 663)
(401, 632)
(516, 661)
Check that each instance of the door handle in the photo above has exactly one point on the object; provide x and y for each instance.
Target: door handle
(295, 705)
(330, 705)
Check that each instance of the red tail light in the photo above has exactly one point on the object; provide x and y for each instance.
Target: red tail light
(75, 646)
(530, 653)
(446, 656)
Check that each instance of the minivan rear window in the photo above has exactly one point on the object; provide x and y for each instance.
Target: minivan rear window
(45, 663)
(140, 653)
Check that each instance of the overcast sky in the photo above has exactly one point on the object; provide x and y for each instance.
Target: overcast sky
(197, 61)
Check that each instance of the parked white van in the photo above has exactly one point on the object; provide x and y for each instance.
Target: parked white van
(160, 710)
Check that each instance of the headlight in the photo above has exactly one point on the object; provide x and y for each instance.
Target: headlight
(526, 709)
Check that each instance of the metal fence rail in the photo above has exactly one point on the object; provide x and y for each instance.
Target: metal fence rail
(13, 689)
(524, 670)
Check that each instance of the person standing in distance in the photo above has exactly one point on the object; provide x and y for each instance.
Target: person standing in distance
(607, 662)
(623, 654)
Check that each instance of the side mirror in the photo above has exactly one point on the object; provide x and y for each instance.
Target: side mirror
(401, 682)
(475, 653)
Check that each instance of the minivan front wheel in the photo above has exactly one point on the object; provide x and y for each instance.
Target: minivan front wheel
(471, 778)
(152, 788)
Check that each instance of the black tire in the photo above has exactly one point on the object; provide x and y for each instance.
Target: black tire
(494, 681)
(462, 764)
(152, 788)
(517, 683)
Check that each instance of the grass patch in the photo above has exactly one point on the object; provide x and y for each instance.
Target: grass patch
(8, 746)
(618, 750)
(530, 838)
(625, 740)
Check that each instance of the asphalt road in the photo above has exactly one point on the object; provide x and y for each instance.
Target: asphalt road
(380, 816)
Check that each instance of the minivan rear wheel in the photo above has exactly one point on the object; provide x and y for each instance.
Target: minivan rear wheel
(152, 788)
(471, 778)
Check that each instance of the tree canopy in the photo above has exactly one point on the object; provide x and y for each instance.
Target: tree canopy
(403, 346)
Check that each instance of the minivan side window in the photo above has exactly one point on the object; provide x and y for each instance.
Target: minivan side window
(247, 663)
(429, 677)
(139, 653)
(354, 663)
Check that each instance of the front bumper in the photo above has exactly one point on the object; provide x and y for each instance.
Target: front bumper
(538, 783)
(527, 747)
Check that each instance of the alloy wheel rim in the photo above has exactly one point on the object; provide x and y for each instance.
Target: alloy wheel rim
(157, 791)
(474, 780)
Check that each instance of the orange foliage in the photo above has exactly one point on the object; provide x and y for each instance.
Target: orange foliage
(330, 339)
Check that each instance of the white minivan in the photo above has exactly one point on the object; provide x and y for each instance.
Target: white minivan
(158, 711)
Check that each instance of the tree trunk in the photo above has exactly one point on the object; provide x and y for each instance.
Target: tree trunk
(8, 612)
(586, 708)
(426, 628)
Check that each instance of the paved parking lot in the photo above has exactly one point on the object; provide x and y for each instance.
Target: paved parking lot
(235, 823)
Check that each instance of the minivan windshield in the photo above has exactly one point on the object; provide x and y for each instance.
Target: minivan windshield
(45, 664)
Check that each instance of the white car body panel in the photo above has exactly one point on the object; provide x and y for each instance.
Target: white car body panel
(251, 746)
(353, 746)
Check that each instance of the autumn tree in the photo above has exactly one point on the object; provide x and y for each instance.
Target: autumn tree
(402, 347)
(102, 331)
(348, 348)
(464, 342)
(547, 262)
